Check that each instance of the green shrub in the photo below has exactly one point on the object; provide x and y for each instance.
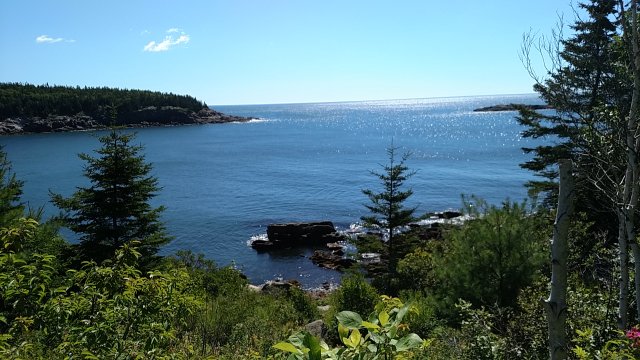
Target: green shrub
(490, 258)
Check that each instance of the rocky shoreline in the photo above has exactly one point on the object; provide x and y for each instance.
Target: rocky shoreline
(150, 116)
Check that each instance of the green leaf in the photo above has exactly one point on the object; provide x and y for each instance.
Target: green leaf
(384, 318)
(355, 337)
(401, 313)
(315, 351)
(284, 346)
(372, 348)
(342, 331)
(370, 326)
(408, 342)
(349, 319)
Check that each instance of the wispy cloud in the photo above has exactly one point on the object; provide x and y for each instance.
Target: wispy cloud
(169, 41)
(46, 39)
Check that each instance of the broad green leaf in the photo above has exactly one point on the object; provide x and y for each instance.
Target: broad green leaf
(313, 344)
(347, 341)
(377, 338)
(342, 331)
(349, 319)
(284, 346)
(408, 342)
(355, 337)
(401, 313)
(384, 318)
(370, 326)
(372, 348)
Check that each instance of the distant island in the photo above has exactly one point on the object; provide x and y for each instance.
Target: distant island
(513, 107)
(26, 108)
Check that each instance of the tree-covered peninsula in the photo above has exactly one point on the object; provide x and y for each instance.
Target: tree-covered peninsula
(26, 108)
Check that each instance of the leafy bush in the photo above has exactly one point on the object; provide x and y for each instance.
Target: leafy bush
(490, 258)
(385, 336)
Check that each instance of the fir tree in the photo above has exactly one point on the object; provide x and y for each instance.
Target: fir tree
(387, 207)
(115, 209)
(10, 192)
(587, 80)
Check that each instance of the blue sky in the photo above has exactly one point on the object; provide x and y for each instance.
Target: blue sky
(275, 51)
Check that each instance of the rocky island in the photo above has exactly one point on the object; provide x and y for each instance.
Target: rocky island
(513, 107)
(36, 109)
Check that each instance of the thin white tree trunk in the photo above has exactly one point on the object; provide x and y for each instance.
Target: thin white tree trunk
(631, 190)
(556, 304)
(623, 300)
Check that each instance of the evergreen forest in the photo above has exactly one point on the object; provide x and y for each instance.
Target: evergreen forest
(26, 100)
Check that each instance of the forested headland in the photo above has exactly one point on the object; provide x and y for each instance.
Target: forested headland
(26, 108)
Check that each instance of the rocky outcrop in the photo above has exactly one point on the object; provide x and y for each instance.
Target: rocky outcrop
(512, 107)
(298, 234)
(146, 117)
(329, 260)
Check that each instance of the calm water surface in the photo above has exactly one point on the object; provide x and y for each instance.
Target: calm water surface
(222, 184)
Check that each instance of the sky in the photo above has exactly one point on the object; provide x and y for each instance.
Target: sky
(228, 52)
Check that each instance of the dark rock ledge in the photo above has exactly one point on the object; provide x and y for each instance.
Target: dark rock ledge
(146, 117)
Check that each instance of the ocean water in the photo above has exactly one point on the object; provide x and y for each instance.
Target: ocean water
(222, 184)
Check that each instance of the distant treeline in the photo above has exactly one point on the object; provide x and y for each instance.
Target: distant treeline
(18, 99)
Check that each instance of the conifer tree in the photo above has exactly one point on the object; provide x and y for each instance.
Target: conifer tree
(387, 207)
(584, 81)
(115, 209)
(595, 90)
(10, 192)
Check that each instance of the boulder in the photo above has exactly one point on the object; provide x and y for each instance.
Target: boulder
(317, 329)
(278, 285)
(298, 234)
(329, 260)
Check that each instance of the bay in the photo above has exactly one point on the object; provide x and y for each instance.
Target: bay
(224, 183)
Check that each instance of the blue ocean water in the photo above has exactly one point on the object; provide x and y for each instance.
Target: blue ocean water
(223, 183)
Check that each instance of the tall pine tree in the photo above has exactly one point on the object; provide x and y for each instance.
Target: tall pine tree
(115, 209)
(589, 79)
(387, 207)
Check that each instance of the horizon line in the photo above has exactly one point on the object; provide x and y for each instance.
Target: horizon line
(372, 100)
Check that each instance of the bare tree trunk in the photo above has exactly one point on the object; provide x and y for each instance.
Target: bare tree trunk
(631, 185)
(623, 301)
(556, 305)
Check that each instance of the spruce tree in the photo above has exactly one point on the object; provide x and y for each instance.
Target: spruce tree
(587, 80)
(387, 207)
(10, 192)
(115, 209)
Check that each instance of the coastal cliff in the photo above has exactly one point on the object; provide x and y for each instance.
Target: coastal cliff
(36, 109)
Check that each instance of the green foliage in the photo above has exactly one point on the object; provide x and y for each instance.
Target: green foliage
(589, 76)
(417, 270)
(387, 207)
(490, 258)
(626, 345)
(25, 280)
(114, 311)
(10, 192)
(115, 209)
(385, 336)
(207, 276)
(232, 323)
(354, 294)
(18, 100)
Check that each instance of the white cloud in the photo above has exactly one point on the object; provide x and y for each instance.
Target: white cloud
(168, 42)
(47, 39)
